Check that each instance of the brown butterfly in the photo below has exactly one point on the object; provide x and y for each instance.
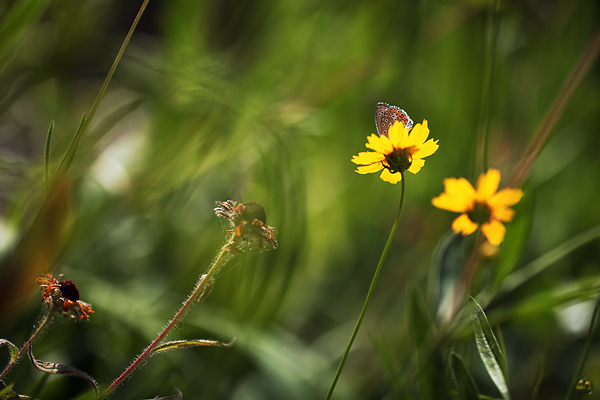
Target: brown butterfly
(386, 115)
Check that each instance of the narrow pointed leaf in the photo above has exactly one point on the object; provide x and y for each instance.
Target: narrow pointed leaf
(65, 163)
(47, 153)
(182, 344)
(488, 348)
(541, 263)
(539, 376)
(420, 322)
(465, 384)
(6, 392)
(60, 369)
(446, 267)
(177, 396)
(14, 350)
(516, 236)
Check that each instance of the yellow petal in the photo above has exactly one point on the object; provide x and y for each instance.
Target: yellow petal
(464, 225)
(487, 184)
(445, 202)
(416, 165)
(426, 149)
(494, 232)
(379, 144)
(367, 169)
(460, 189)
(506, 197)
(367, 157)
(419, 134)
(387, 176)
(399, 135)
(503, 214)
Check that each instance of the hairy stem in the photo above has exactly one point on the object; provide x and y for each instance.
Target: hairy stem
(223, 256)
(34, 336)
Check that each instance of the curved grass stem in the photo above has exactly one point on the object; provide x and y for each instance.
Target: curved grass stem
(369, 294)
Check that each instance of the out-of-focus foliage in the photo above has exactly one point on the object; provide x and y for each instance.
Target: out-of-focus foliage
(267, 101)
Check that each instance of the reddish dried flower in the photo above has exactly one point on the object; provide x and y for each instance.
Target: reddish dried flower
(65, 295)
(248, 220)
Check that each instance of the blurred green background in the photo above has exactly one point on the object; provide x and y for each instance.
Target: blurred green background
(267, 101)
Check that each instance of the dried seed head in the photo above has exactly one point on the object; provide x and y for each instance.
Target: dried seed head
(248, 222)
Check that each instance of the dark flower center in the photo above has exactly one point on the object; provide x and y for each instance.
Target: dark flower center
(480, 214)
(69, 290)
(398, 161)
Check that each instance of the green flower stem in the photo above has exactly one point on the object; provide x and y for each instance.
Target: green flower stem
(223, 256)
(585, 352)
(369, 294)
(35, 335)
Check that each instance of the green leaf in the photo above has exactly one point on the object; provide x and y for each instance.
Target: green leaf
(60, 369)
(516, 236)
(16, 21)
(446, 267)
(182, 344)
(539, 376)
(14, 350)
(420, 322)
(547, 300)
(465, 384)
(6, 392)
(540, 264)
(488, 348)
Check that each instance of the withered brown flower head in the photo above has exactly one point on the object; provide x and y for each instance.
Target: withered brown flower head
(63, 294)
(248, 220)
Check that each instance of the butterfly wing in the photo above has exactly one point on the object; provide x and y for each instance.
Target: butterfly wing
(386, 116)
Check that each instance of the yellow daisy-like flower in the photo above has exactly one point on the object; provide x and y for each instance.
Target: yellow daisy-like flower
(485, 206)
(401, 151)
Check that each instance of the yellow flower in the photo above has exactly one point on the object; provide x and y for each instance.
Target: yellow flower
(398, 152)
(485, 206)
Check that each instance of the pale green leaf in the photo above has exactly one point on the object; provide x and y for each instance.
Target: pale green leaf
(182, 344)
(61, 369)
(14, 350)
(488, 348)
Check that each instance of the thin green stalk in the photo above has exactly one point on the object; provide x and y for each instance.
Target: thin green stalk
(202, 284)
(35, 335)
(586, 350)
(369, 294)
(486, 89)
(66, 161)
